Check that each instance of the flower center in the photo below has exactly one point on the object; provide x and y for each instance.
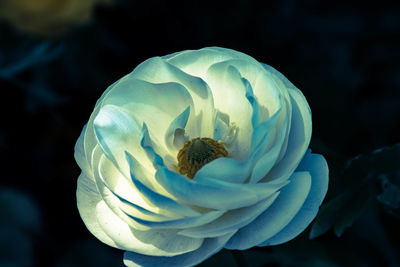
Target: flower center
(198, 152)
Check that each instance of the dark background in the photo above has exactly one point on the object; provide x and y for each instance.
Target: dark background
(345, 57)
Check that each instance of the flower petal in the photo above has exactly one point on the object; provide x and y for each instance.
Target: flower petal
(264, 89)
(80, 155)
(299, 135)
(230, 221)
(214, 194)
(174, 137)
(135, 193)
(276, 217)
(87, 199)
(271, 150)
(182, 223)
(229, 94)
(90, 140)
(110, 229)
(118, 132)
(318, 168)
(209, 247)
(157, 70)
(162, 202)
(197, 62)
(151, 104)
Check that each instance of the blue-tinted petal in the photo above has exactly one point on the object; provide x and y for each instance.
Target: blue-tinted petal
(255, 116)
(181, 223)
(209, 247)
(157, 70)
(276, 217)
(163, 203)
(103, 223)
(112, 218)
(174, 137)
(271, 152)
(230, 221)
(212, 193)
(234, 171)
(221, 126)
(90, 140)
(300, 131)
(151, 104)
(318, 168)
(116, 132)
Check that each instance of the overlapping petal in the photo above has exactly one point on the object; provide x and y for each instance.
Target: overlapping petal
(229, 94)
(215, 194)
(110, 229)
(209, 247)
(156, 70)
(277, 216)
(317, 167)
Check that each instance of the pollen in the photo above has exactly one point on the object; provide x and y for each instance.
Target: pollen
(198, 152)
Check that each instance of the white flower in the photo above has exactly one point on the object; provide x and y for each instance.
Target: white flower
(247, 180)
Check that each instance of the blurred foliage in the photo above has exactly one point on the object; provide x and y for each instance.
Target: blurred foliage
(359, 186)
(47, 17)
(20, 225)
(345, 60)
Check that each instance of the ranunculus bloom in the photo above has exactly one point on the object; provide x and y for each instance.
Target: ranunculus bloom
(198, 151)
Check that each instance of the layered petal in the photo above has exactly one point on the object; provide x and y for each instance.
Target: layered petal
(215, 194)
(150, 103)
(230, 221)
(157, 70)
(299, 135)
(317, 167)
(277, 216)
(229, 94)
(110, 229)
(209, 247)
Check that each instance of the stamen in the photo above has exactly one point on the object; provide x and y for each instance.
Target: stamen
(198, 152)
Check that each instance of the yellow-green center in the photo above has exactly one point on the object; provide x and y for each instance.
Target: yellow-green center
(198, 152)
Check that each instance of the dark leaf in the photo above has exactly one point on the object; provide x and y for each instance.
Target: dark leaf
(359, 181)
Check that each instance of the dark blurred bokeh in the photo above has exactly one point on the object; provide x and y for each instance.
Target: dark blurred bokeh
(344, 57)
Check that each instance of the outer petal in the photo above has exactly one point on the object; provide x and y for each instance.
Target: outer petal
(230, 221)
(209, 247)
(197, 62)
(87, 199)
(90, 140)
(80, 155)
(276, 217)
(110, 229)
(318, 168)
(300, 132)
